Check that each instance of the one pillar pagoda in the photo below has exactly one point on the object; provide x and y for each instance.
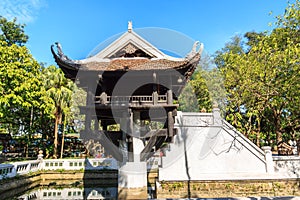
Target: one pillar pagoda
(133, 85)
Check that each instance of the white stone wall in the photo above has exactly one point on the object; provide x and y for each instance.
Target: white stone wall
(287, 166)
(204, 150)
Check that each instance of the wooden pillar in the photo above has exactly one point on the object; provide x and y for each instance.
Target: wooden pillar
(96, 124)
(89, 103)
(170, 123)
(169, 97)
(130, 132)
(126, 125)
(104, 125)
(154, 93)
(170, 113)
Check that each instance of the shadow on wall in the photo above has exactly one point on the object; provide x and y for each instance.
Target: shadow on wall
(184, 136)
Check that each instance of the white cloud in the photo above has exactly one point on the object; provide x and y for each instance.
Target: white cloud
(24, 10)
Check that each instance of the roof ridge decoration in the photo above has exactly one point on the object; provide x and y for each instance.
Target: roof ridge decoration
(129, 28)
(132, 38)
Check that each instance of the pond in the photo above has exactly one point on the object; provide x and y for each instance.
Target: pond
(78, 192)
(68, 193)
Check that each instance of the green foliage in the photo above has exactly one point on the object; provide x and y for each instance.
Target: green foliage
(20, 87)
(22, 97)
(263, 82)
(78, 99)
(59, 91)
(204, 89)
(187, 100)
(114, 127)
(12, 33)
(30, 95)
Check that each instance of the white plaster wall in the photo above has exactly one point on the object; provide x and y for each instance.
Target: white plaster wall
(287, 166)
(132, 175)
(207, 152)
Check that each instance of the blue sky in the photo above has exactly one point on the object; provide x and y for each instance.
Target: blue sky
(80, 25)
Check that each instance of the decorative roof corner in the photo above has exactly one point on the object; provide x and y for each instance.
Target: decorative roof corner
(61, 59)
(194, 50)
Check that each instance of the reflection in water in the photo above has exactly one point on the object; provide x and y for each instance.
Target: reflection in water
(70, 193)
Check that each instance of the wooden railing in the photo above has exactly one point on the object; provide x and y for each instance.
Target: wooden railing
(144, 99)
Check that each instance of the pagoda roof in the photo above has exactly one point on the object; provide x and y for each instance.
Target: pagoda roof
(129, 52)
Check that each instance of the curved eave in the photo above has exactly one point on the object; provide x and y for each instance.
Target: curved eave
(69, 68)
(190, 67)
(185, 66)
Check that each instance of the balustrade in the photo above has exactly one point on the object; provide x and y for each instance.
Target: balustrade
(130, 99)
(6, 170)
(25, 167)
(287, 165)
(283, 164)
(71, 193)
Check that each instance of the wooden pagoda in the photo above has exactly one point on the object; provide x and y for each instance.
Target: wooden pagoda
(130, 83)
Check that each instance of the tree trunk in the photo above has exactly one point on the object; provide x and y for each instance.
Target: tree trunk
(30, 129)
(26, 150)
(55, 136)
(258, 139)
(258, 133)
(63, 138)
(57, 121)
(278, 136)
(277, 126)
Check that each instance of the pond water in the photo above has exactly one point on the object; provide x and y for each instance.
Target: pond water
(68, 193)
(88, 190)
(110, 193)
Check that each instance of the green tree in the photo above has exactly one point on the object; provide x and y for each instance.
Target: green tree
(195, 96)
(12, 33)
(23, 105)
(253, 38)
(20, 90)
(204, 89)
(262, 83)
(59, 90)
(235, 46)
